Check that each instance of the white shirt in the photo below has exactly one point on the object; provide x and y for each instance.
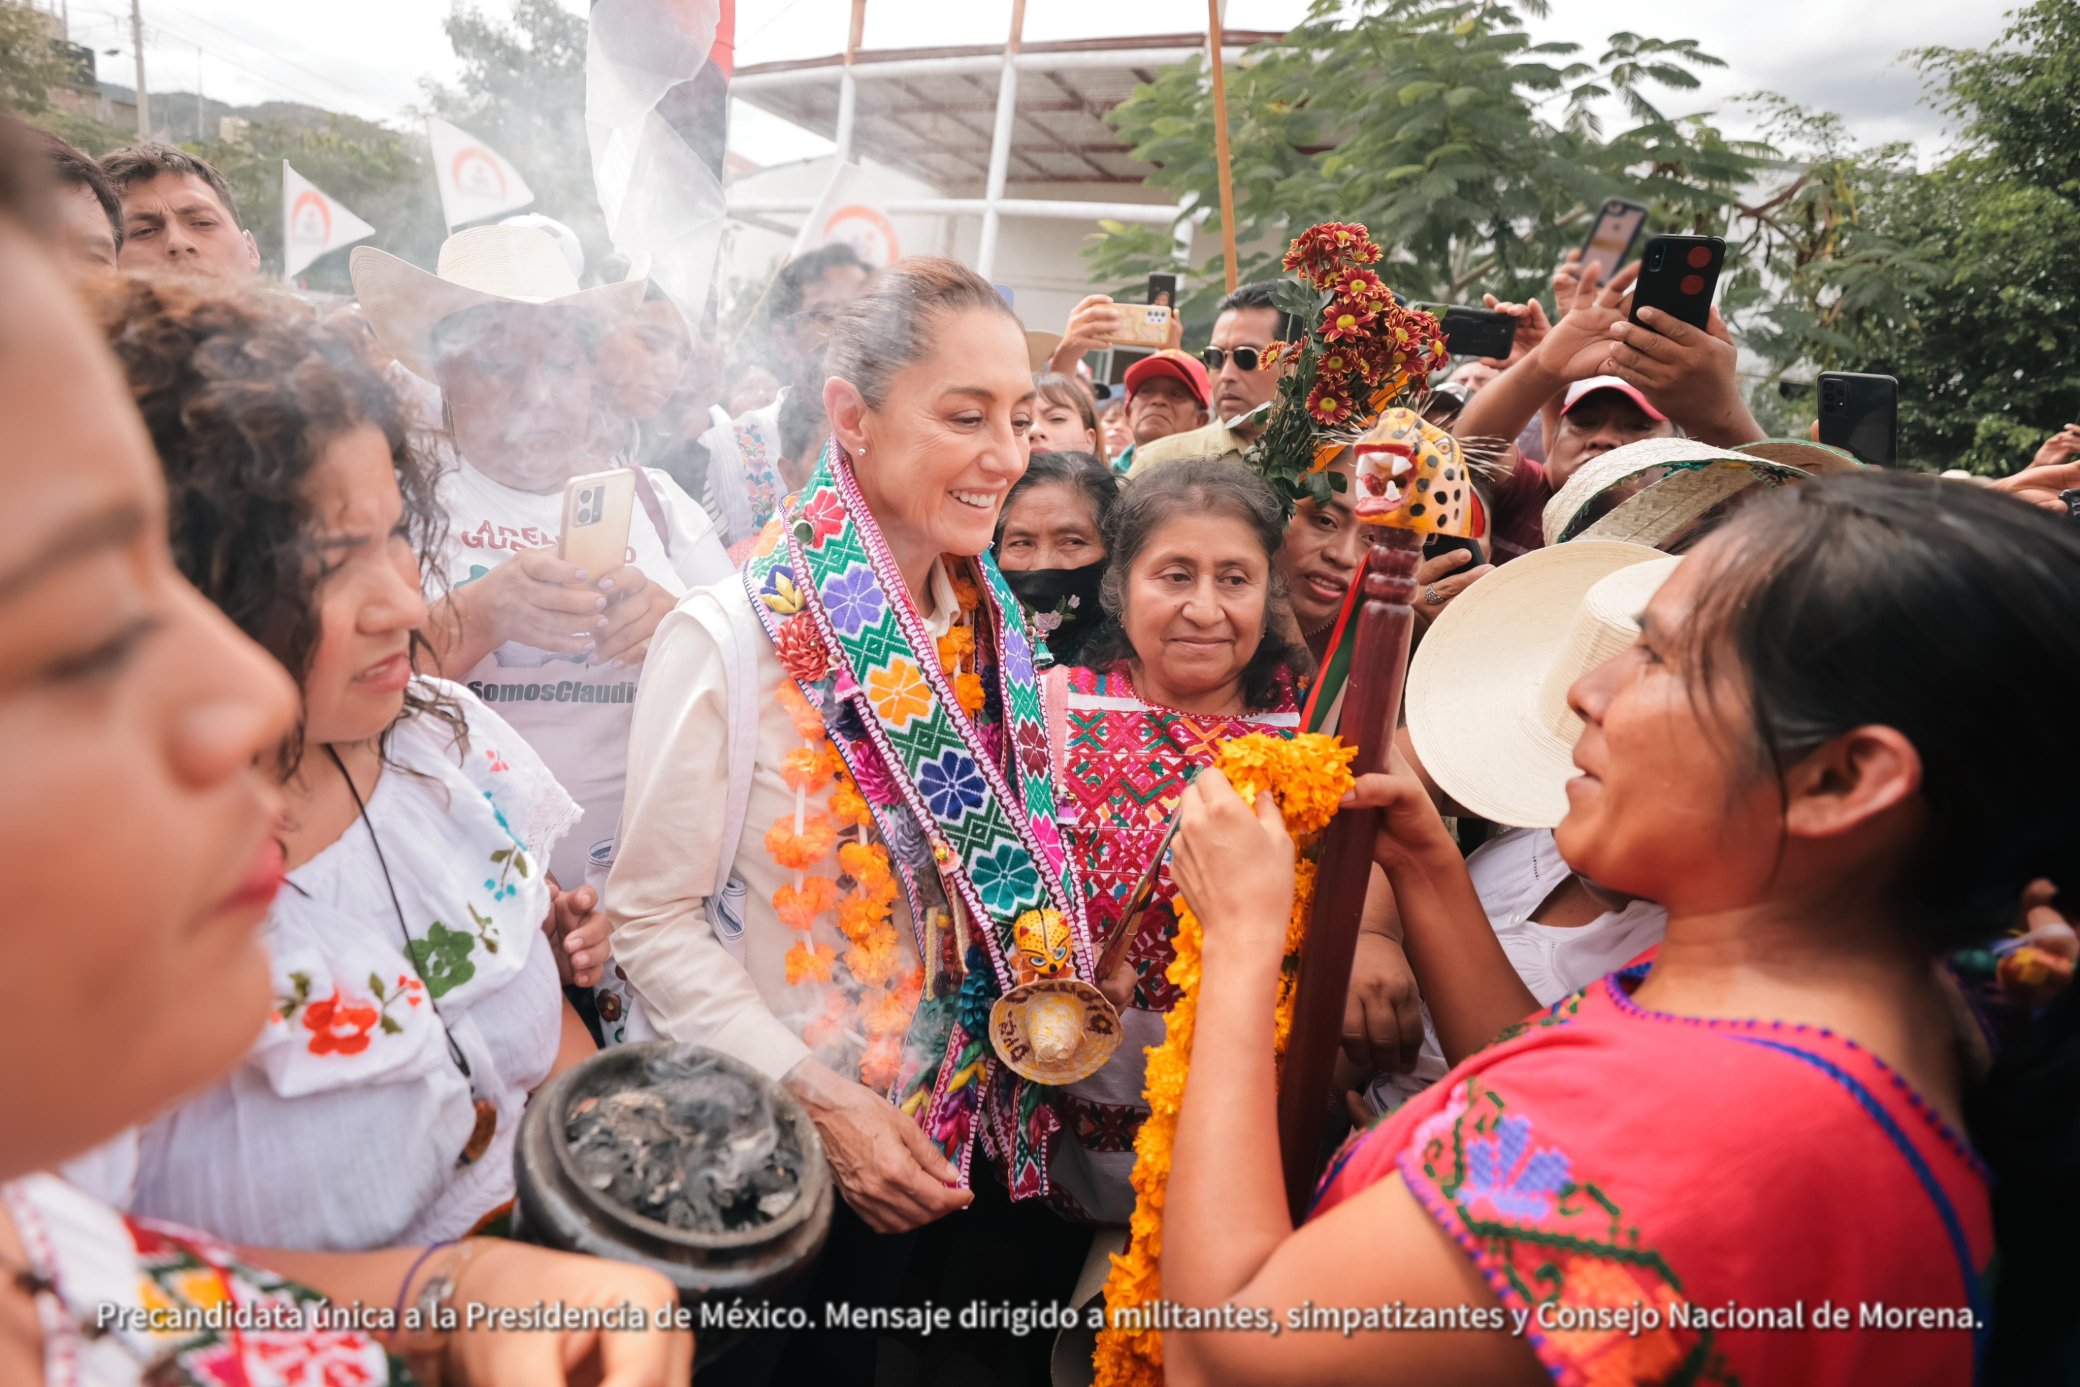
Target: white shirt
(695, 988)
(341, 1127)
(1514, 873)
(574, 714)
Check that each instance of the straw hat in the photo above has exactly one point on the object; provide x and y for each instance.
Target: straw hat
(1487, 689)
(1696, 477)
(1041, 347)
(1814, 459)
(485, 264)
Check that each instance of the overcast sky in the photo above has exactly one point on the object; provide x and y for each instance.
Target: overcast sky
(368, 56)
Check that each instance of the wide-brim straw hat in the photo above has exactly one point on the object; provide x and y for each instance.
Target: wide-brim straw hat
(1487, 689)
(483, 265)
(1689, 479)
(1040, 348)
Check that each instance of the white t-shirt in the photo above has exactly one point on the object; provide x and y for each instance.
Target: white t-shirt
(1513, 873)
(340, 1129)
(576, 716)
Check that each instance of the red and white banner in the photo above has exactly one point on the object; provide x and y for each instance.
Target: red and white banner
(313, 223)
(475, 180)
(850, 212)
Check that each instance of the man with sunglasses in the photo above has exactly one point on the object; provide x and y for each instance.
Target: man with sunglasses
(1247, 322)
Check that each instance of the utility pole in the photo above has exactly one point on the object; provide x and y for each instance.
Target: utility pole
(199, 135)
(144, 101)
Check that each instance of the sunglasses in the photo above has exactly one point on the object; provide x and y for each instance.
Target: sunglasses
(1246, 358)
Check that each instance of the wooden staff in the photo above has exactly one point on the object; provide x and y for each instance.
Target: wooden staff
(1372, 702)
(1220, 138)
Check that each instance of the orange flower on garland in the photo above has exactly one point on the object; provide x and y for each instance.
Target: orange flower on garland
(1308, 775)
(968, 691)
(874, 962)
(886, 1014)
(799, 905)
(849, 806)
(828, 1027)
(810, 962)
(809, 769)
(799, 850)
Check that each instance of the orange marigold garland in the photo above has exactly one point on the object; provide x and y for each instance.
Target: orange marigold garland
(1308, 775)
(873, 1003)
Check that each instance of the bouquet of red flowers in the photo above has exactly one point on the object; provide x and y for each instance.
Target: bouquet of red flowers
(1360, 352)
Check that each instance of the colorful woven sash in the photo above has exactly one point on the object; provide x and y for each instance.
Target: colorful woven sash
(990, 836)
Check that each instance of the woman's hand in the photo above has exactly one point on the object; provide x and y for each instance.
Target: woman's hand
(1410, 828)
(537, 599)
(1439, 580)
(635, 606)
(1095, 321)
(516, 1276)
(1383, 1012)
(1234, 864)
(578, 929)
(885, 1166)
(1579, 346)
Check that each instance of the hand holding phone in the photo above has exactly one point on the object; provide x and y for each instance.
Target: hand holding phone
(1142, 325)
(1473, 333)
(597, 510)
(1678, 275)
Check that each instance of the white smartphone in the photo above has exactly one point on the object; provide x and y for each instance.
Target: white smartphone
(597, 510)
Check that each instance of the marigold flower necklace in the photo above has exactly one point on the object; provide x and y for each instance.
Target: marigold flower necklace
(876, 1010)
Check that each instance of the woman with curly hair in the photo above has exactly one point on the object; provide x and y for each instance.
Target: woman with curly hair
(415, 947)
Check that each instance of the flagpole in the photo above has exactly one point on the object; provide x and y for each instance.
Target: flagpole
(1220, 137)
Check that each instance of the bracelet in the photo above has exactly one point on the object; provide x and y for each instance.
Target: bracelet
(422, 1339)
(404, 1287)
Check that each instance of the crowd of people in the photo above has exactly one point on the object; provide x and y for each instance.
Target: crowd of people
(1714, 952)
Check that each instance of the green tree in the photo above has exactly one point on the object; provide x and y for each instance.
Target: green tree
(1474, 154)
(1958, 280)
(31, 63)
(523, 91)
(382, 174)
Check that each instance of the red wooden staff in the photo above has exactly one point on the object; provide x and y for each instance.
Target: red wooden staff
(1382, 626)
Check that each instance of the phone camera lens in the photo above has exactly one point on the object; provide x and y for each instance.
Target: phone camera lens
(1657, 257)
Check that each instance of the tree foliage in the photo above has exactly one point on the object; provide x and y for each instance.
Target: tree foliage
(1474, 154)
(30, 63)
(522, 91)
(1958, 279)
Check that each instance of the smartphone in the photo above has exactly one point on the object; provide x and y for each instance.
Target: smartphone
(1612, 237)
(1162, 290)
(1678, 274)
(1143, 325)
(597, 510)
(1860, 413)
(1433, 545)
(1472, 333)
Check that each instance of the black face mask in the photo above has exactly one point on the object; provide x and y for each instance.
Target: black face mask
(1062, 608)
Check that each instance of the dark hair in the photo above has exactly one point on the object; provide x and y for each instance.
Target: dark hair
(73, 169)
(1085, 472)
(799, 273)
(889, 326)
(1068, 392)
(242, 392)
(1946, 612)
(1202, 486)
(1257, 295)
(141, 163)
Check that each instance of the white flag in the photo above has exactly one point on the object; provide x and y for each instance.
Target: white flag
(313, 223)
(849, 212)
(475, 181)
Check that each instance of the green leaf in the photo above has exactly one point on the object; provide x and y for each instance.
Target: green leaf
(375, 985)
(1337, 482)
(391, 1026)
(520, 863)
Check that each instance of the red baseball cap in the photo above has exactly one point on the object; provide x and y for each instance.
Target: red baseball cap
(1177, 366)
(1582, 389)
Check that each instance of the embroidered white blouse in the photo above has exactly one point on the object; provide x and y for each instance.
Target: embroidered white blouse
(341, 1127)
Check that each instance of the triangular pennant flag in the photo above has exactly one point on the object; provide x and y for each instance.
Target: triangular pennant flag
(313, 223)
(849, 212)
(475, 181)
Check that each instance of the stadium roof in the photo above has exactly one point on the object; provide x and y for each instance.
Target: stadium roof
(930, 111)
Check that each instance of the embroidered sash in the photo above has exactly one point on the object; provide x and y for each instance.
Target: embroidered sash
(825, 576)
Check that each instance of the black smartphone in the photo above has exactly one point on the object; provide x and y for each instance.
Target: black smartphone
(1861, 413)
(1472, 333)
(1611, 238)
(1678, 274)
(1452, 544)
(1162, 289)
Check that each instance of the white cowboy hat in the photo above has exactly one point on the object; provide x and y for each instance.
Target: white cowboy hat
(485, 264)
(1487, 689)
(1691, 479)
